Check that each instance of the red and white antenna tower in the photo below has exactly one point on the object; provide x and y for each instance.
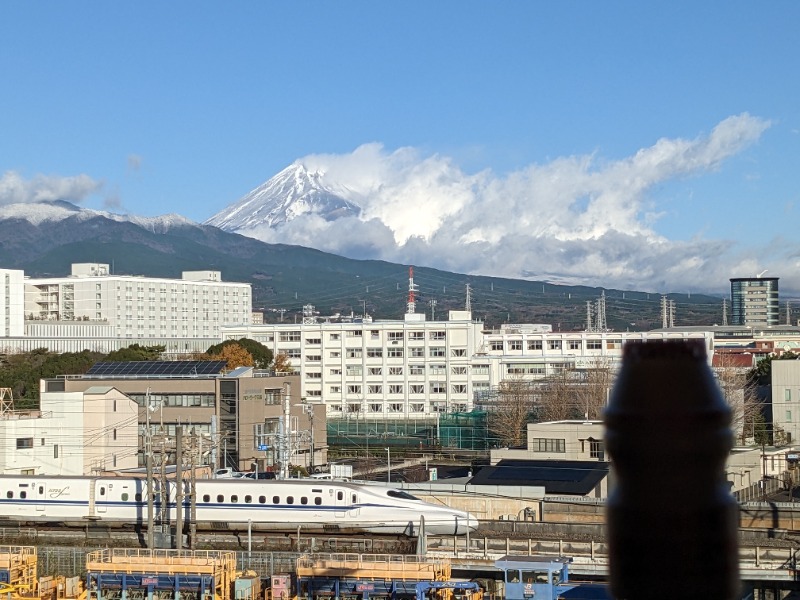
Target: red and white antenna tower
(411, 307)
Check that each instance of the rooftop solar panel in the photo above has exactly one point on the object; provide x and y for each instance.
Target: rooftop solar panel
(156, 368)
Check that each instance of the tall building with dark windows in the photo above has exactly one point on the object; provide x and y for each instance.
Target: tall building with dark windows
(754, 301)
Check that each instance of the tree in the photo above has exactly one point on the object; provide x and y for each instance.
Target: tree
(762, 372)
(135, 352)
(591, 393)
(558, 397)
(512, 410)
(22, 372)
(235, 356)
(262, 356)
(282, 364)
(739, 391)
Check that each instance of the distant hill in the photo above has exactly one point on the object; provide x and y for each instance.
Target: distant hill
(44, 239)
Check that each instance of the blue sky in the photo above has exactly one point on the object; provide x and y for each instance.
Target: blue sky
(186, 106)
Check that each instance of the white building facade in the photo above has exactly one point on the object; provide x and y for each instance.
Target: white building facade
(12, 309)
(786, 397)
(93, 309)
(73, 433)
(416, 368)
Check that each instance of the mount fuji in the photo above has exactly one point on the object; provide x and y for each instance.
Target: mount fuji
(296, 191)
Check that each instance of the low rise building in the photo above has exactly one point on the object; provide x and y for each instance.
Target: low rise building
(232, 418)
(74, 433)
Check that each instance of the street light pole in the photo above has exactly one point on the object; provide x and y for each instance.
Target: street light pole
(388, 465)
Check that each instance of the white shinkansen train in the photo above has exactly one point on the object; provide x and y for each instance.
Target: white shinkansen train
(264, 505)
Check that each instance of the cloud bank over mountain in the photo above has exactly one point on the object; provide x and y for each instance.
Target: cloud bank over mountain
(14, 189)
(576, 219)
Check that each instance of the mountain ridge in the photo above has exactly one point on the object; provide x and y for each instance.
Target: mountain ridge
(287, 277)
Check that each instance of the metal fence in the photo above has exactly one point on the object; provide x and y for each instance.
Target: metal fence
(71, 561)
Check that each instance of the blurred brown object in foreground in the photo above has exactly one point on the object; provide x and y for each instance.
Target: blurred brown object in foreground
(672, 523)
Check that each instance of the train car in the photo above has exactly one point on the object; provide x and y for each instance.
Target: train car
(235, 504)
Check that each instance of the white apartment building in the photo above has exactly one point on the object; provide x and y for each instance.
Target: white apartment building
(416, 368)
(73, 433)
(12, 320)
(96, 310)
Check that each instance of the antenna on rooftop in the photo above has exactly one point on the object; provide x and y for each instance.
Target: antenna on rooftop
(411, 306)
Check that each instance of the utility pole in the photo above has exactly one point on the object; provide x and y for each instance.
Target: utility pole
(311, 420)
(179, 487)
(286, 424)
(193, 492)
(432, 304)
(148, 450)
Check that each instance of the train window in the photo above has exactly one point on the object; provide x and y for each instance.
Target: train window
(41, 489)
(102, 491)
(303, 500)
(340, 495)
(220, 498)
(206, 498)
(318, 491)
(23, 494)
(512, 576)
(290, 500)
(355, 499)
(234, 498)
(9, 494)
(248, 499)
(124, 496)
(262, 499)
(318, 501)
(276, 500)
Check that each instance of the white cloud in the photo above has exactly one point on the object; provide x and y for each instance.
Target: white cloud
(42, 188)
(575, 218)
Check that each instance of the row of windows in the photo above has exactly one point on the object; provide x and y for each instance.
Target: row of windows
(373, 334)
(434, 387)
(399, 407)
(548, 445)
(187, 400)
(517, 345)
(433, 369)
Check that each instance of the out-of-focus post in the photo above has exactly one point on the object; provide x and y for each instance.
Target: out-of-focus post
(672, 523)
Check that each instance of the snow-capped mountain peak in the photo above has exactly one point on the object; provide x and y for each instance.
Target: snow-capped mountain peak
(37, 213)
(293, 192)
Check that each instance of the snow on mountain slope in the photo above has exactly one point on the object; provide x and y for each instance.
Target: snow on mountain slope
(37, 213)
(293, 192)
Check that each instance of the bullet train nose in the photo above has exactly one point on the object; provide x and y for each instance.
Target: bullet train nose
(465, 523)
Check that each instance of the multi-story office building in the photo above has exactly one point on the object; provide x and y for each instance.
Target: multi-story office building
(235, 416)
(96, 310)
(754, 301)
(417, 369)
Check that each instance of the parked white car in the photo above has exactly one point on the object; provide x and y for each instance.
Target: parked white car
(228, 473)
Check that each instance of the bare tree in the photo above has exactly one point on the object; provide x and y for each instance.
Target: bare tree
(513, 408)
(592, 392)
(740, 395)
(557, 400)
